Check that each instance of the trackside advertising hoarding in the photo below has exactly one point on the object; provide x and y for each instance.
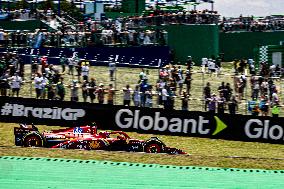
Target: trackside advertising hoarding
(143, 120)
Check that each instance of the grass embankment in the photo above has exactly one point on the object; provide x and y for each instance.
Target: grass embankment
(131, 76)
(203, 152)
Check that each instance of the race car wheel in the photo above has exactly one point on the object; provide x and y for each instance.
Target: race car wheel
(32, 141)
(153, 148)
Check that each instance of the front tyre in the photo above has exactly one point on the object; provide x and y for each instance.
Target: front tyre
(153, 148)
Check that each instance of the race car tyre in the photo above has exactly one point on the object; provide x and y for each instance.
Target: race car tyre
(33, 140)
(153, 148)
(154, 145)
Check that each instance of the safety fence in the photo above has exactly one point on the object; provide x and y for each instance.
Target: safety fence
(147, 56)
(65, 38)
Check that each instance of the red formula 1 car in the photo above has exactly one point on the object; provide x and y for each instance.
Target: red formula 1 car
(86, 137)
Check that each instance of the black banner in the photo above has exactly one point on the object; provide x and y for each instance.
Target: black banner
(143, 120)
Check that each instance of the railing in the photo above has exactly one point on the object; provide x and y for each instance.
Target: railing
(83, 39)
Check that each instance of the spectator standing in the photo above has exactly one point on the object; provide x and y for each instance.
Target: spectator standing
(101, 93)
(207, 95)
(189, 63)
(92, 89)
(44, 63)
(184, 101)
(63, 62)
(275, 110)
(60, 89)
(149, 97)
(255, 110)
(85, 90)
(44, 84)
(4, 84)
(143, 87)
(221, 104)
(78, 66)
(228, 92)
(219, 62)
(85, 70)
(165, 97)
(264, 106)
(110, 94)
(55, 74)
(180, 80)
(275, 98)
(74, 91)
(212, 104)
(172, 85)
(264, 88)
(211, 66)
(222, 88)
(233, 105)
(112, 69)
(51, 91)
(159, 87)
(2, 65)
(136, 96)
(38, 85)
(241, 86)
(272, 89)
(71, 64)
(251, 66)
(242, 66)
(34, 65)
(255, 89)
(170, 99)
(16, 82)
(142, 76)
(126, 95)
(187, 82)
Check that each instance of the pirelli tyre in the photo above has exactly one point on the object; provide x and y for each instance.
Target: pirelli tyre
(33, 140)
(154, 145)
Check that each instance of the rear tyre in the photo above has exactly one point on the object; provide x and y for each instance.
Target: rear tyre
(33, 141)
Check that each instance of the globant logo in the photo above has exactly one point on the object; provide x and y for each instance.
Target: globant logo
(67, 114)
(256, 129)
(125, 119)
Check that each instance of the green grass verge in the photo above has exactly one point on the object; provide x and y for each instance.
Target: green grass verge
(203, 152)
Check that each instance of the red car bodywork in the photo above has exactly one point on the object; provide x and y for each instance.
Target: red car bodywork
(87, 137)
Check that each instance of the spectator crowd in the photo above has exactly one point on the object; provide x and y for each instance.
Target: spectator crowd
(252, 24)
(174, 84)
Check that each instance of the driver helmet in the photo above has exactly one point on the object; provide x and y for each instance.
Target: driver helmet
(23, 125)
